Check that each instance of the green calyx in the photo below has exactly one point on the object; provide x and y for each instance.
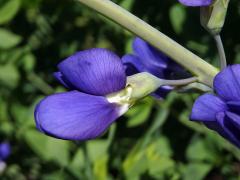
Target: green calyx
(141, 85)
(138, 86)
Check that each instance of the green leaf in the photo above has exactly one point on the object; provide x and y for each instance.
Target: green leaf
(8, 10)
(127, 4)
(3, 110)
(58, 151)
(160, 166)
(96, 149)
(97, 153)
(159, 158)
(28, 62)
(139, 113)
(57, 175)
(196, 170)
(160, 147)
(37, 142)
(155, 158)
(9, 76)
(7, 128)
(158, 121)
(48, 148)
(77, 164)
(100, 168)
(78, 160)
(198, 47)
(135, 164)
(8, 39)
(177, 16)
(216, 142)
(199, 151)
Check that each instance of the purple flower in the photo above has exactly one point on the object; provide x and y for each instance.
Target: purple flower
(146, 58)
(5, 151)
(221, 112)
(84, 112)
(196, 2)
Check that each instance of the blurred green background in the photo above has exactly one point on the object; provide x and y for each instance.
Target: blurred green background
(154, 140)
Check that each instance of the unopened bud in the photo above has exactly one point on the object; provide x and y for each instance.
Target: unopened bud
(213, 17)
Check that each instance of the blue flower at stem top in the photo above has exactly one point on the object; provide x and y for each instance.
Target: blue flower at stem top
(146, 58)
(196, 2)
(221, 112)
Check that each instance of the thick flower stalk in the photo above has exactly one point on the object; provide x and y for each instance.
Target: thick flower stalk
(194, 64)
(221, 112)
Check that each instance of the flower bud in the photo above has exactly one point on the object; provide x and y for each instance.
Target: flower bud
(213, 17)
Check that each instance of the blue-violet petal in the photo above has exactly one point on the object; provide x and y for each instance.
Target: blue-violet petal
(75, 116)
(132, 64)
(95, 71)
(234, 106)
(227, 83)
(196, 2)
(229, 131)
(59, 76)
(235, 121)
(206, 107)
(148, 55)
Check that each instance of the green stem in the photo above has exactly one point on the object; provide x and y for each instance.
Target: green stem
(40, 84)
(204, 71)
(221, 52)
(194, 87)
(179, 82)
(111, 134)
